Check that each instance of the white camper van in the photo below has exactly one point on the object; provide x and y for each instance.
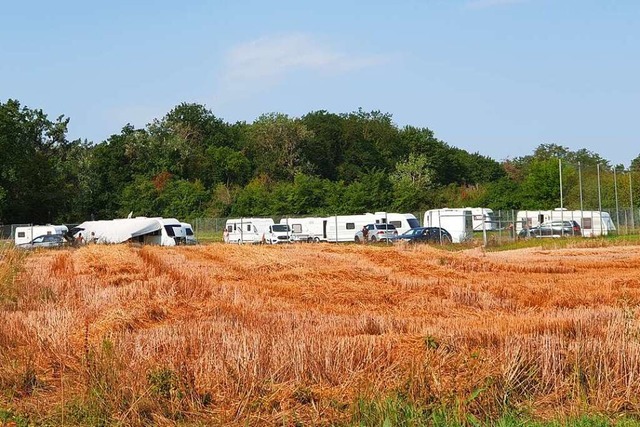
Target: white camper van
(592, 223)
(190, 238)
(458, 222)
(26, 234)
(306, 229)
(256, 230)
(483, 219)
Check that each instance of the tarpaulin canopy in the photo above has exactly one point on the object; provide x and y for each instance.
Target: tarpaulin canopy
(117, 230)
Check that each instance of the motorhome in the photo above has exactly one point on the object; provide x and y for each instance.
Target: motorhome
(26, 234)
(592, 223)
(458, 222)
(256, 230)
(306, 229)
(483, 219)
(190, 238)
(154, 231)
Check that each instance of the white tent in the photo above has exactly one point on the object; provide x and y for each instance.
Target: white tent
(117, 230)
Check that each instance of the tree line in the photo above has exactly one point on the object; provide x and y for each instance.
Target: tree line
(191, 164)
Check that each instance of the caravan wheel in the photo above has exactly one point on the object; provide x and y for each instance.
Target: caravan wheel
(316, 240)
(309, 239)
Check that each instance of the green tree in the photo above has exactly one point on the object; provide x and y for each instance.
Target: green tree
(276, 143)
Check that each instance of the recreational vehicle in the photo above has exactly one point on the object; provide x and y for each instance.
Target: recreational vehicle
(306, 229)
(402, 221)
(26, 234)
(458, 222)
(256, 230)
(190, 238)
(592, 223)
(343, 228)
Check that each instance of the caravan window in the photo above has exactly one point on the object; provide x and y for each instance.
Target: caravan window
(170, 231)
(587, 223)
(248, 227)
(20, 233)
(230, 228)
(351, 226)
(296, 228)
(396, 224)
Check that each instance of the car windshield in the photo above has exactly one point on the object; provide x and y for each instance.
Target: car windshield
(280, 227)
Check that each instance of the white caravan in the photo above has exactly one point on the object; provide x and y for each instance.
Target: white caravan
(343, 228)
(402, 221)
(256, 230)
(306, 229)
(458, 222)
(483, 216)
(592, 223)
(26, 234)
(154, 231)
(190, 238)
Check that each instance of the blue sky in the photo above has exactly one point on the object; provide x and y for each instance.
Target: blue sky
(498, 77)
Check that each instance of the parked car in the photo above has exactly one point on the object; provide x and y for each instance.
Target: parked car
(45, 241)
(378, 232)
(552, 229)
(426, 235)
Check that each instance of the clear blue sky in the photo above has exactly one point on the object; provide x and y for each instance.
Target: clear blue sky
(498, 77)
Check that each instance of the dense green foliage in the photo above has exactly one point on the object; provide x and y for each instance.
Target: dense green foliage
(191, 163)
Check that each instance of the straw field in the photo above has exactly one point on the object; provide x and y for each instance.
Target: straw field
(317, 334)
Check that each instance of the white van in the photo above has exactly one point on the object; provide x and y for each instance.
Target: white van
(26, 234)
(256, 230)
(190, 238)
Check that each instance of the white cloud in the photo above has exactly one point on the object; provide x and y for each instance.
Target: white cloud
(268, 60)
(483, 4)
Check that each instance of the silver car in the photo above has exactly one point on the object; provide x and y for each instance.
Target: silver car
(45, 241)
(377, 233)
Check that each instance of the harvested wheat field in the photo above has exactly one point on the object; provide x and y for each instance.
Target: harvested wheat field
(317, 334)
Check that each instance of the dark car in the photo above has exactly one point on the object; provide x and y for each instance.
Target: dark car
(45, 241)
(426, 235)
(553, 229)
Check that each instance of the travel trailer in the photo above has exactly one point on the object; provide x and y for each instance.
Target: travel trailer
(256, 230)
(306, 229)
(154, 231)
(343, 228)
(26, 234)
(458, 222)
(402, 222)
(592, 223)
(483, 219)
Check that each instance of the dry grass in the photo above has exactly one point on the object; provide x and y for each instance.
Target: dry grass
(274, 335)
